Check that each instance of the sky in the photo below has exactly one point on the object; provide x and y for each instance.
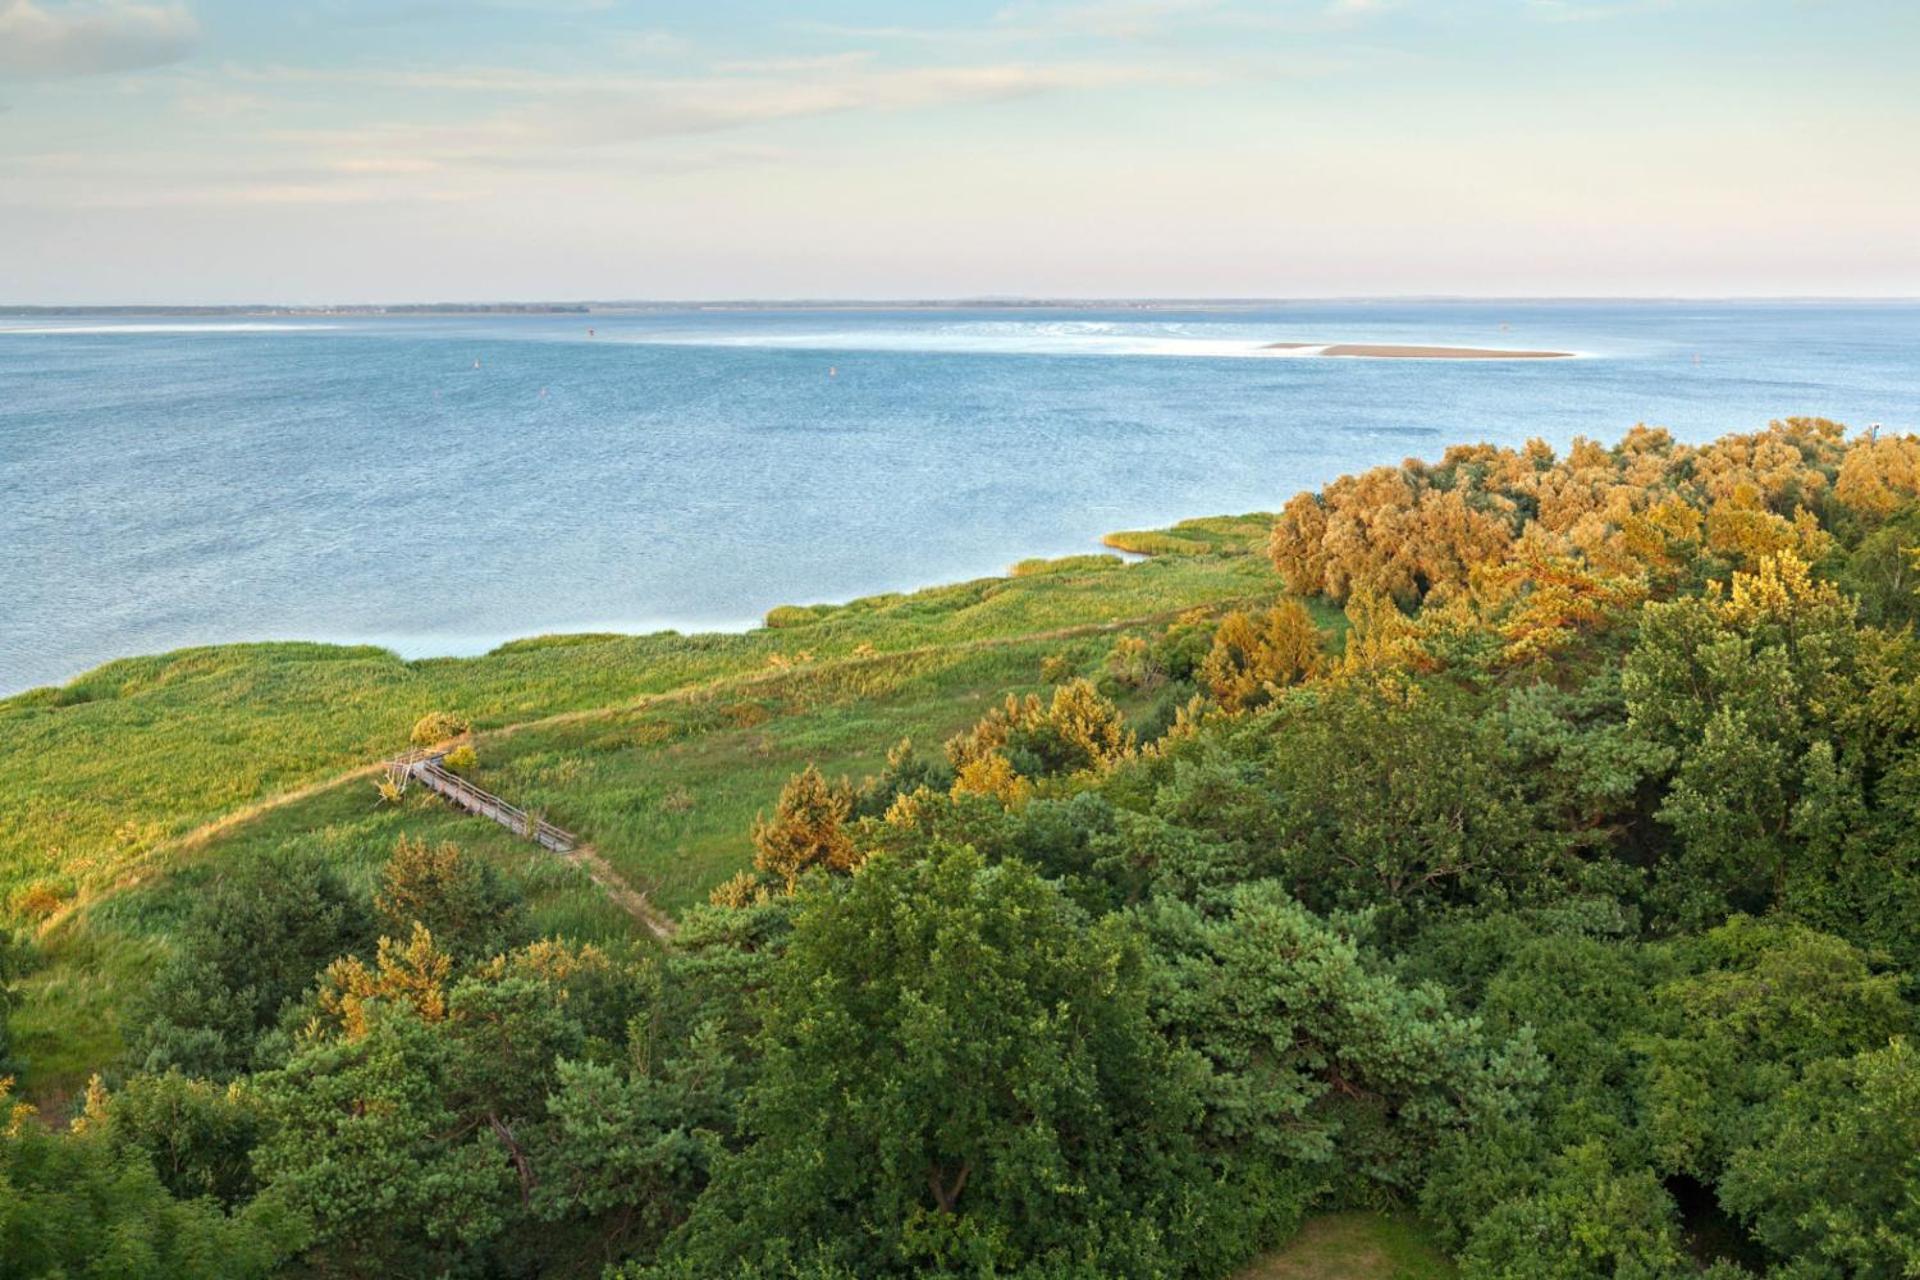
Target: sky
(316, 151)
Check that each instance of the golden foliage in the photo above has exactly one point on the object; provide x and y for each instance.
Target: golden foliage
(18, 1114)
(807, 830)
(1253, 658)
(991, 775)
(1880, 476)
(1089, 722)
(414, 974)
(744, 889)
(436, 727)
(1418, 532)
(1545, 604)
(93, 1111)
(910, 808)
(1083, 721)
(1781, 590)
(1381, 638)
(551, 960)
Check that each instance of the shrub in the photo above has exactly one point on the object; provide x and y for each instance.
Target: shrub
(807, 830)
(462, 759)
(37, 901)
(436, 727)
(792, 615)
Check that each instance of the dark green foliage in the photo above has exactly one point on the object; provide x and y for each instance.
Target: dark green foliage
(252, 944)
(1403, 800)
(1582, 926)
(198, 1136)
(1316, 1061)
(1758, 1005)
(1588, 1220)
(369, 1142)
(1832, 1180)
(462, 900)
(1880, 571)
(84, 1204)
(427, 1124)
(959, 1077)
(1790, 736)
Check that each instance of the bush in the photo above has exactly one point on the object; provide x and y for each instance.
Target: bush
(436, 727)
(461, 760)
(793, 615)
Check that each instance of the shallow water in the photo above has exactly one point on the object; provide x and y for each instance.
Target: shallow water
(442, 483)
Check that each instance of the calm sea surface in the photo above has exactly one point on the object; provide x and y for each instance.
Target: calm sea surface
(440, 484)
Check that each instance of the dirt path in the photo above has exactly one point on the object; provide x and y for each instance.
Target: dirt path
(622, 894)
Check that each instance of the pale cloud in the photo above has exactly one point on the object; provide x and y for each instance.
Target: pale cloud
(562, 108)
(45, 40)
(1112, 19)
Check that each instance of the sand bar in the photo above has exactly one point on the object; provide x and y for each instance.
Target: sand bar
(1396, 351)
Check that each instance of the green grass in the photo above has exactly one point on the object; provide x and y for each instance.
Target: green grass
(1208, 536)
(668, 793)
(131, 786)
(1065, 564)
(1355, 1246)
(105, 775)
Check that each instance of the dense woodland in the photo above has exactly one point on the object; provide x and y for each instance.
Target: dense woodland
(1565, 897)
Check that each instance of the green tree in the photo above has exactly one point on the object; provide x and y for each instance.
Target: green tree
(1759, 1002)
(77, 1203)
(960, 1076)
(1787, 731)
(411, 1125)
(1589, 1220)
(253, 943)
(199, 1136)
(1318, 1060)
(470, 910)
(1833, 1181)
(1403, 798)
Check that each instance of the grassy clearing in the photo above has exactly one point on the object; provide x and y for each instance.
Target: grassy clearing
(109, 772)
(666, 791)
(134, 785)
(1355, 1246)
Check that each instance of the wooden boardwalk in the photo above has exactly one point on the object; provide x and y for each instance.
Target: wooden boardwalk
(425, 767)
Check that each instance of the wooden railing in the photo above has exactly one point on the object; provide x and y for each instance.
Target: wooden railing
(425, 768)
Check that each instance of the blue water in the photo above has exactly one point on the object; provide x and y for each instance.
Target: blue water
(441, 484)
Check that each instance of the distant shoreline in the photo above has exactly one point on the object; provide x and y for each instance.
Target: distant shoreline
(610, 306)
(1398, 351)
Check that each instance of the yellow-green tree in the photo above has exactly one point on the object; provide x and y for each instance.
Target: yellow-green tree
(808, 829)
(1255, 656)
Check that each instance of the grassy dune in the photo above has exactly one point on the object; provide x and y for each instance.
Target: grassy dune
(110, 772)
(138, 781)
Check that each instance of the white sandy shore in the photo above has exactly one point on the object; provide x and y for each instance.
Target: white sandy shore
(1397, 351)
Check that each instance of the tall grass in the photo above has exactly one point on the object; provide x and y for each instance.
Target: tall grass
(130, 788)
(105, 773)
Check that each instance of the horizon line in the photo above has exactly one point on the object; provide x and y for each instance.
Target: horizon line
(975, 300)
